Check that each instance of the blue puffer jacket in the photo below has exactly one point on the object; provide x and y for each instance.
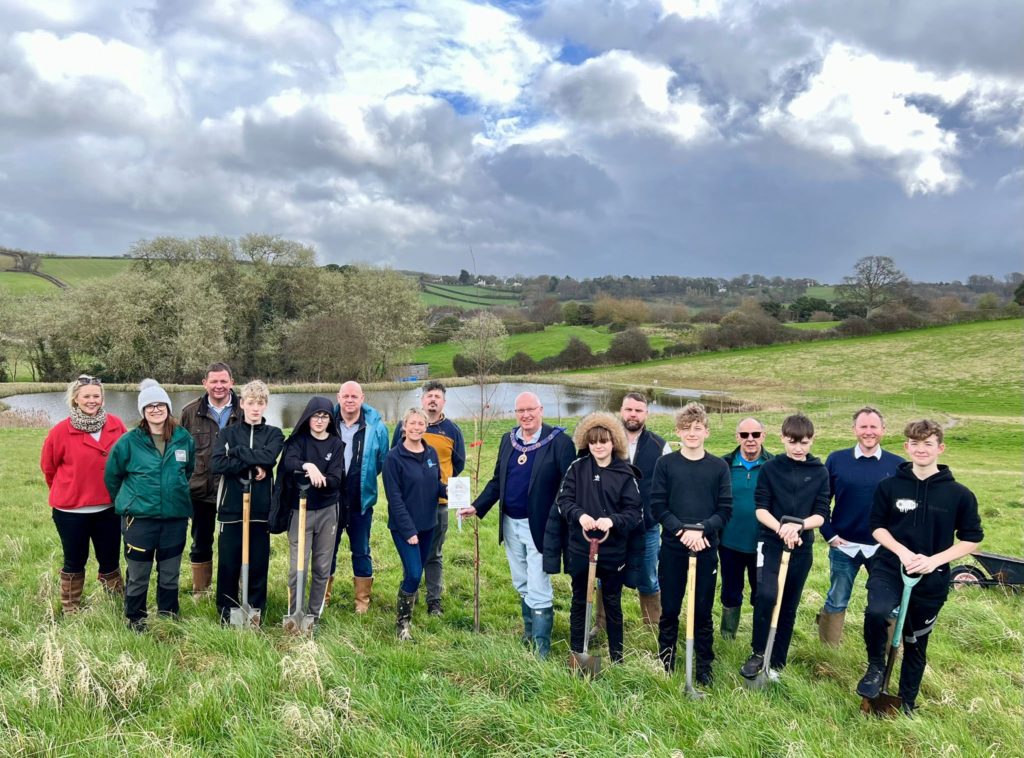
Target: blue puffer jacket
(371, 446)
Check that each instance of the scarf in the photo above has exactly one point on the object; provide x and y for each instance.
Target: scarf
(86, 423)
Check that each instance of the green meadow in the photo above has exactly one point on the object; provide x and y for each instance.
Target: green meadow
(75, 271)
(87, 686)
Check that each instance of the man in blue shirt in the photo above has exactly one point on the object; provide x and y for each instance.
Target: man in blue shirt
(854, 474)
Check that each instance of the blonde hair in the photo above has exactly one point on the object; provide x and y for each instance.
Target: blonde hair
(256, 390)
(691, 413)
(71, 394)
(415, 412)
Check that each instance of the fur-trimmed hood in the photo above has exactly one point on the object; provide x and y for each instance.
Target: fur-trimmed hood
(610, 422)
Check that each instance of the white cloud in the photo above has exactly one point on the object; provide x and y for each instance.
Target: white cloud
(617, 92)
(859, 105)
(689, 9)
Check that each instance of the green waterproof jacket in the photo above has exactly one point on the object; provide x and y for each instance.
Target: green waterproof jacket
(144, 483)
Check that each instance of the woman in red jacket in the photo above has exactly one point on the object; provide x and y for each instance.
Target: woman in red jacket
(73, 459)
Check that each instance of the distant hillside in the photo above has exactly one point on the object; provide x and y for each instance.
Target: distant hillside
(469, 296)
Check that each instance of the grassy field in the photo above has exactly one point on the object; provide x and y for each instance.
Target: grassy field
(825, 292)
(87, 686)
(813, 325)
(536, 344)
(19, 283)
(78, 270)
(468, 296)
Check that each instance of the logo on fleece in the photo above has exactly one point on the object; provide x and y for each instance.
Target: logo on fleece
(905, 505)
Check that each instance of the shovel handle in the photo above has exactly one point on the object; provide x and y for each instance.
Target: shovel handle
(246, 517)
(783, 571)
(594, 541)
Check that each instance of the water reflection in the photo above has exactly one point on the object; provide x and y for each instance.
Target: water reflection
(559, 401)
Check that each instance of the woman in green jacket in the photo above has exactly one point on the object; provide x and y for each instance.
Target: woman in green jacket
(147, 474)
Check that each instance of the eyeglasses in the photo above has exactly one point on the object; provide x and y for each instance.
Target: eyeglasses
(320, 417)
(86, 379)
(755, 435)
(154, 407)
(521, 411)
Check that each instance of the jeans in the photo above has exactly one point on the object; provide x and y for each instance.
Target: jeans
(76, 530)
(734, 565)
(842, 571)
(649, 575)
(413, 558)
(359, 541)
(526, 564)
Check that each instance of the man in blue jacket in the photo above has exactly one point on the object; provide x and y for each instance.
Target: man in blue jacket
(532, 459)
(854, 474)
(366, 446)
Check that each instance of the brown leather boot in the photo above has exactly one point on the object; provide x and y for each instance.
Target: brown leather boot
(362, 587)
(650, 608)
(112, 582)
(71, 586)
(830, 627)
(327, 592)
(202, 576)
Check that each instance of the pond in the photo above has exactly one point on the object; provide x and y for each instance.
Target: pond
(559, 401)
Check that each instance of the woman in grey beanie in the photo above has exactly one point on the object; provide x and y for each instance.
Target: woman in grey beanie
(147, 474)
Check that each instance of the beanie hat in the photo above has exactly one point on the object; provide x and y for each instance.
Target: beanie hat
(150, 392)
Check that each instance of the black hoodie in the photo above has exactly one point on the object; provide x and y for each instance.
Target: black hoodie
(788, 487)
(924, 515)
(328, 455)
(238, 450)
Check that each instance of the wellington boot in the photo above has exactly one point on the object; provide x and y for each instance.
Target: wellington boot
(650, 608)
(327, 592)
(71, 586)
(202, 576)
(403, 617)
(598, 626)
(362, 587)
(830, 627)
(112, 582)
(730, 622)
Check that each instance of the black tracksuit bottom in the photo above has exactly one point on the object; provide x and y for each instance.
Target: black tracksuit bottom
(229, 566)
(767, 591)
(673, 566)
(885, 590)
(611, 579)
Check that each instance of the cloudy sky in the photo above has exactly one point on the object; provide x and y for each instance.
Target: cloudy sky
(700, 137)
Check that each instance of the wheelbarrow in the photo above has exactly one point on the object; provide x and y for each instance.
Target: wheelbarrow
(1002, 570)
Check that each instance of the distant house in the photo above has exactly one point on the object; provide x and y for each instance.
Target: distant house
(412, 372)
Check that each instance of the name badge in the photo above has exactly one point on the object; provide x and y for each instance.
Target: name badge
(181, 456)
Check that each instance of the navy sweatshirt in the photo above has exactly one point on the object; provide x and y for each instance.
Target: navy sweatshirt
(924, 515)
(691, 492)
(787, 487)
(853, 482)
(412, 484)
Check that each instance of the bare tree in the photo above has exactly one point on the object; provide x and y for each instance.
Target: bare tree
(875, 281)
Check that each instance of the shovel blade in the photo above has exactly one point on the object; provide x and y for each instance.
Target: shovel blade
(245, 617)
(587, 665)
(299, 623)
(883, 705)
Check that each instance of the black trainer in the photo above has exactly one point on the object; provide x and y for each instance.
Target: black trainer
(870, 685)
(434, 608)
(908, 708)
(754, 664)
(705, 677)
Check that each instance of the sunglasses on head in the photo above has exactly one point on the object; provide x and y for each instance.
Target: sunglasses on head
(755, 435)
(86, 379)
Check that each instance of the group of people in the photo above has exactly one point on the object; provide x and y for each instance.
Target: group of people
(655, 513)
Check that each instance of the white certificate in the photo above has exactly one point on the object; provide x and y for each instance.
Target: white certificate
(458, 492)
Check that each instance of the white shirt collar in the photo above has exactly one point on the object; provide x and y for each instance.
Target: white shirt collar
(528, 440)
(858, 453)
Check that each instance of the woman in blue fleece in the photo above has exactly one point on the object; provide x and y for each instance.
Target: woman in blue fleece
(412, 484)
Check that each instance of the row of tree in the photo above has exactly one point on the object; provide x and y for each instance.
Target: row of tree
(259, 302)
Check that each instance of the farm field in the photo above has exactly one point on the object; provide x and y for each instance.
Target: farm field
(81, 269)
(20, 283)
(88, 686)
(535, 344)
(815, 326)
(468, 296)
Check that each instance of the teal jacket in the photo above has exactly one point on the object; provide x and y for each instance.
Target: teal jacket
(143, 483)
(740, 533)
